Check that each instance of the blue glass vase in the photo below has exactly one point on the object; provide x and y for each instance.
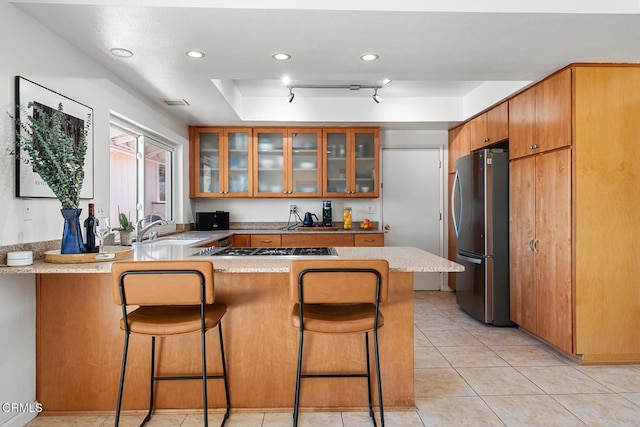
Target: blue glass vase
(71, 233)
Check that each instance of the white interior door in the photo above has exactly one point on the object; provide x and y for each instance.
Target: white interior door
(412, 204)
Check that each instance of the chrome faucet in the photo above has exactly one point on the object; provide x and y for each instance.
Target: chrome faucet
(140, 230)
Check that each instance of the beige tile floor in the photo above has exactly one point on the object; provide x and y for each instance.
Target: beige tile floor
(466, 374)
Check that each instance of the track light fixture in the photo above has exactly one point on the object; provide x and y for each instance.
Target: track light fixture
(377, 98)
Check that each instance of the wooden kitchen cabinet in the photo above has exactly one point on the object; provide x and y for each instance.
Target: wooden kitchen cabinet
(490, 127)
(540, 117)
(304, 166)
(540, 246)
(606, 196)
(266, 240)
(351, 162)
(241, 240)
(459, 145)
(317, 240)
(270, 155)
(373, 239)
(288, 162)
(220, 162)
(283, 162)
(574, 192)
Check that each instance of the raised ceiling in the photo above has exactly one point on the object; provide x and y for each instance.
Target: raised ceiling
(447, 62)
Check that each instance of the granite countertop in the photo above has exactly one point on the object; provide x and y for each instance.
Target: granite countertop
(401, 259)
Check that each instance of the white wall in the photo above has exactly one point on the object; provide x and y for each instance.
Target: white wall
(33, 52)
(17, 338)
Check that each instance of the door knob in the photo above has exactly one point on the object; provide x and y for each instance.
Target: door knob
(387, 227)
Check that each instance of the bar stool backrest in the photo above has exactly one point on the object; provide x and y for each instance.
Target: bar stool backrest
(163, 282)
(339, 281)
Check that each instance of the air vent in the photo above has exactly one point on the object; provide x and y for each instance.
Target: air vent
(175, 102)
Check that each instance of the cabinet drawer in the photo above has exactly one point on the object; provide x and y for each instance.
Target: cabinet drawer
(317, 240)
(218, 243)
(241, 240)
(376, 239)
(265, 240)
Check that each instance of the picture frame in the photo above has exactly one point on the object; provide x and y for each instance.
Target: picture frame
(29, 184)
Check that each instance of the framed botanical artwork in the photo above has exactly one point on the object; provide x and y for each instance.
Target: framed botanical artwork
(28, 183)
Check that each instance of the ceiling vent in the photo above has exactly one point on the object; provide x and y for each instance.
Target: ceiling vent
(175, 102)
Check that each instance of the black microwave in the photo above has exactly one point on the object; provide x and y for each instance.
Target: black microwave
(208, 221)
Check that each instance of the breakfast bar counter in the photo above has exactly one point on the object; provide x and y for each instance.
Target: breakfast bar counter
(79, 342)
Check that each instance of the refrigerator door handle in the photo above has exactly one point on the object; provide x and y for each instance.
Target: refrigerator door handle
(456, 185)
(471, 260)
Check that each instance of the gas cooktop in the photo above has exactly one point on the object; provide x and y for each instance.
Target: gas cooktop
(279, 252)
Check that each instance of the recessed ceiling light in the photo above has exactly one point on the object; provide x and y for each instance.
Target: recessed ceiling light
(369, 57)
(281, 56)
(195, 54)
(386, 81)
(121, 53)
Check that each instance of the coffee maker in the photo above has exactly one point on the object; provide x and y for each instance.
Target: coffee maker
(326, 213)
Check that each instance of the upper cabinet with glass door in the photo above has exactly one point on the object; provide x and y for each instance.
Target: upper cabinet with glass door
(288, 162)
(304, 173)
(270, 149)
(351, 162)
(220, 162)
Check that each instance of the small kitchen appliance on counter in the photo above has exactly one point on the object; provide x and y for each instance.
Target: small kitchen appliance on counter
(308, 219)
(208, 221)
(326, 213)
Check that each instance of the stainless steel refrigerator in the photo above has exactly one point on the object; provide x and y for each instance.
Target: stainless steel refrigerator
(480, 211)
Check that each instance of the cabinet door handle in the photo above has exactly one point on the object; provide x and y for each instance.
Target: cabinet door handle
(533, 147)
(535, 246)
(487, 140)
(530, 244)
(221, 192)
(369, 240)
(265, 241)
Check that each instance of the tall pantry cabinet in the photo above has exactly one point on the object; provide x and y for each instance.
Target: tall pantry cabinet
(575, 189)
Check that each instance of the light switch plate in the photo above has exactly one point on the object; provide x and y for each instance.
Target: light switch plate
(371, 209)
(27, 211)
(99, 210)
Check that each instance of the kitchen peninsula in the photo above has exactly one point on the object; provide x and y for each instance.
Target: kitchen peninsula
(79, 343)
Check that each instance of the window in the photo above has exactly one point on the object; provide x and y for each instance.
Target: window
(140, 175)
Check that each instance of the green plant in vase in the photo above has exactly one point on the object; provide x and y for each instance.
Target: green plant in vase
(58, 157)
(126, 229)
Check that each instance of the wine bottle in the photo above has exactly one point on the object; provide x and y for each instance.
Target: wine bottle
(89, 227)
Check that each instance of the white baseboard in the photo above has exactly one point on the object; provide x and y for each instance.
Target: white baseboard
(20, 420)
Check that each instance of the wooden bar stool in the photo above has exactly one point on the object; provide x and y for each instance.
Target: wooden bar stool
(174, 298)
(339, 297)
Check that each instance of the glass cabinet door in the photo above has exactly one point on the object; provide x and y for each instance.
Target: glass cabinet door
(269, 167)
(365, 154)
(209, 152)
(305, 162)
(238, 164)
(337, 171)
